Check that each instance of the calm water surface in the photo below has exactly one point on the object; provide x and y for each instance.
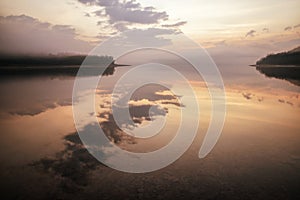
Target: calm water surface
(256, 157)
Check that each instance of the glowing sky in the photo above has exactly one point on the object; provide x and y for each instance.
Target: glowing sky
(210, 23)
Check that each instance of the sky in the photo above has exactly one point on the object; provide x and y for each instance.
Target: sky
(76, 26)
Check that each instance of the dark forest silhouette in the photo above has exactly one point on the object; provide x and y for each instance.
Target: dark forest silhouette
(284, 58)
(56, 65)
(51, 60)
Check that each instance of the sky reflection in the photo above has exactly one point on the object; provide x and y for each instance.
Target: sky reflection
(260, 133)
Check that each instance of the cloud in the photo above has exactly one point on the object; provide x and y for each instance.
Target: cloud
(126, 12)
(121, 13)
(266, 30)
(88, 2)
(287, 102)
(23, 34)
(64, 29)
(120, 26)
(150, 36)
(100, 12)
(288, 28)
(297, 26)
(220, 43)
(251, 33)
(137, 38)
(149, 8)
(174, 25)
(248, 52)
(260, 99)
(247, 96)
(24, 19)
(151, 101)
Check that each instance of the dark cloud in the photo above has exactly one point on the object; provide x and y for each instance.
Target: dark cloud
(120, 26)
(89, 2)
(297, 26)
(117, 14)
(24, 19)
(71, 166)
(126, 11)
(266, 30)
(100, 23)
(142, 111)
(251, 33)
(36, 37)
(100, 12)
(287, 102)
(131, 4)
(288, 28)
(247, 96)
(155, 94)
(87, 15)
(260, 99)
(139, 110)
(149, 8)
(174, 25)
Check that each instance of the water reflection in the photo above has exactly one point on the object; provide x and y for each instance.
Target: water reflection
(71, 166)
(289, 73)
(20, 96)
(33, 90)
(258, 152)
(55, 71)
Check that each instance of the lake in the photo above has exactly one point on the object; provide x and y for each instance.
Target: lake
(256, 157)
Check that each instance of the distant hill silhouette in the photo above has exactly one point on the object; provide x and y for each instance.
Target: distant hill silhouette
(52, 60)
(284, 65)
(285, 58)
(55, 65)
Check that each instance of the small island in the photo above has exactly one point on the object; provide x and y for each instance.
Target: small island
(284, 65)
